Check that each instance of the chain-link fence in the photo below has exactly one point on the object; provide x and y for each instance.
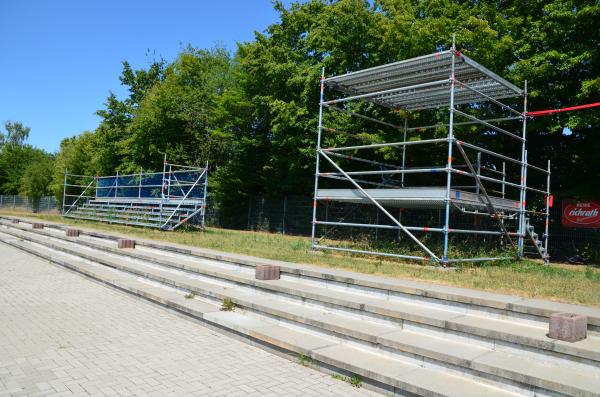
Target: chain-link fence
(293, 215)
(26, 204)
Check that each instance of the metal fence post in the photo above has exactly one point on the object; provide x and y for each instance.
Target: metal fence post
(283, 217)
(249, 210)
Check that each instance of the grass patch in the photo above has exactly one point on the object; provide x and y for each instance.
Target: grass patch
(566, 283)
(228, 305)
(353, 381)
(304, 360)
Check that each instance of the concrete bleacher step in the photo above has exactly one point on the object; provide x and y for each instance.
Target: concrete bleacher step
(236, 277)
(388, 374)
(516, 332)
(473, 301)
(469, 299)
(472, 358)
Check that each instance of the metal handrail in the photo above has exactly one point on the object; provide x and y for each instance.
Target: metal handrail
(183, 199)
(76, 200)
(489, 203)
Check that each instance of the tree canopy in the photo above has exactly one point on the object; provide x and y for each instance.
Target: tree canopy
(252, 114)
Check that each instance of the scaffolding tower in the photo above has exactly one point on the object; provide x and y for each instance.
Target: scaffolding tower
(443, 80)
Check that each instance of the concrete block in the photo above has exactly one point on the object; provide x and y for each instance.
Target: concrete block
(15, 221)
(126, 243)
(569, 327)
(267, 272)
(72, 232)
(37, 225)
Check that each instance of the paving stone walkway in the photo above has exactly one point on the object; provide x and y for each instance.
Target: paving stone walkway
(62, 334)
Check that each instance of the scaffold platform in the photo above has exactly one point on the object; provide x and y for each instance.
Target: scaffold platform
(418, 198)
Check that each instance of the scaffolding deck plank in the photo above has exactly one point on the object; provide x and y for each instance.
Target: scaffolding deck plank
(427, 69)
(417, 197)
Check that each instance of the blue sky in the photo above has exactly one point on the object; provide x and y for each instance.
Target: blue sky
(60, 58)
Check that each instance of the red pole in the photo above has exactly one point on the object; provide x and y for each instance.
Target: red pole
(549, 112)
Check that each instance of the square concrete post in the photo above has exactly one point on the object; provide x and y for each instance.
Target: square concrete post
(72, 232)
(126, 243)
(267, 272)
(569, 327)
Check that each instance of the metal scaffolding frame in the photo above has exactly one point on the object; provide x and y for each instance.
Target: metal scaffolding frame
(444, 79)
(163, 200)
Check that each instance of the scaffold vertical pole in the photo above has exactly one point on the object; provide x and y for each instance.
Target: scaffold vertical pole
(116, 184)
(319, 130)
(204, 202)
(524, 204)
(449, 164)
(478, 171)
(140, 184)
(169, 181)
(64, 192)
(162, 189)
(503, 179)
(523, 170)
(404, 150)
(546, 226)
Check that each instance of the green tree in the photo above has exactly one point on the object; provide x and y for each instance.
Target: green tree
(175, 117)
(36, 179)
(15, 156)
(253, 116)
(16, 134)
(77, 156)
(112, 134)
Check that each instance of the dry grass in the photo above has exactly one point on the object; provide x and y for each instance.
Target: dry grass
(567, 283)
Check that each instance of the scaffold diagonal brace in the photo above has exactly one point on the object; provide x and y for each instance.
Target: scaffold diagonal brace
(380, 207)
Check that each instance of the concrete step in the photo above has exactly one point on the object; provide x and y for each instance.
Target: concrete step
(515, 332)
(472, 301)
(388, 374)
(485, 302)
(355, 300)
(473, 358)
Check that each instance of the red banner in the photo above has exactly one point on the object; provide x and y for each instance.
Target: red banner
(581, 214)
